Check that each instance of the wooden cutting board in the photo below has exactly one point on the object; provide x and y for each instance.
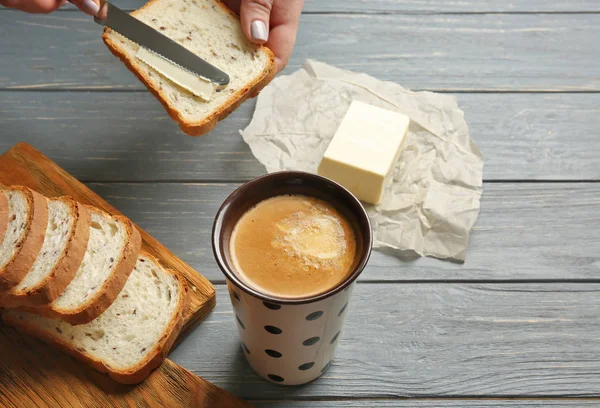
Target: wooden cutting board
(35, 375)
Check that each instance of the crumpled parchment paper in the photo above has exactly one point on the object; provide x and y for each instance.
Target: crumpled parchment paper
(433, 201)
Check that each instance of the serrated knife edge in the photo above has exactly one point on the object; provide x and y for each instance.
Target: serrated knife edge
(159, 44)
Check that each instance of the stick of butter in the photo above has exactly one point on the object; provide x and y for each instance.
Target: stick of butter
(198, 86)
(365, 149)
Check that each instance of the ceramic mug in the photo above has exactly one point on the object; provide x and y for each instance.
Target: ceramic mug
(289, 341)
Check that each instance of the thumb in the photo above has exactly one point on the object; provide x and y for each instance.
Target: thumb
(255, 15)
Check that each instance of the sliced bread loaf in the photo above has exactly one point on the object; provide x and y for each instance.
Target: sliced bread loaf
(59, 259)
(211, 31)
(110, 256)
(27, 220)
(3, 215)
(135, 333)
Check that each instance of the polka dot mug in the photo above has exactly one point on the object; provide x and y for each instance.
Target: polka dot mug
(289, 341)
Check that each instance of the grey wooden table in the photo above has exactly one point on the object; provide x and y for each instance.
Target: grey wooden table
(516, 325)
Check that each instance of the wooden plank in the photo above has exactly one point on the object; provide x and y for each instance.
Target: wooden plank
(432, 340)
(449, 52)
(427, 6)
(439, 403)
(23, 165)
(525, 231)
(33, 374)
(124, 136)
(448, 6)
(129, 137)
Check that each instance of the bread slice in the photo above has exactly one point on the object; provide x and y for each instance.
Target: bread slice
(210, 30)
(3, 215)
(27, 220)
(135, 333)
(110, 256)
(66, 240)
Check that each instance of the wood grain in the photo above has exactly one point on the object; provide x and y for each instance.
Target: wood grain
(23, 165)
(38, 376)
(426, 6)
(432, 340)
(551, 52)
(525, 231)
(427, 403)
(129, 137)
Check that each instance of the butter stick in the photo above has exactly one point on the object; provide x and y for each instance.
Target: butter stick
(365, 149)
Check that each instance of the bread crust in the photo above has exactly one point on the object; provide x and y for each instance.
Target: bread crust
(204, 126)
(31, 242)
(142, 370)
(65, 269)
(111, 287)
(3, 215)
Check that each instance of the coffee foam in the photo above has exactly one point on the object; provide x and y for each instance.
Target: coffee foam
(316, 239)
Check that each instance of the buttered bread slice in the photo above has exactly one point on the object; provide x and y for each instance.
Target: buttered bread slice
(133, 336)
(210, 30)
(110, 256)
(24, 237)
(59, 259)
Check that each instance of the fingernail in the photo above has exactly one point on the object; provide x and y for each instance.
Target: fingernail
(89, 7)
(259, 31)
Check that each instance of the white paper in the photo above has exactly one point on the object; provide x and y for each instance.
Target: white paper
(433, 201)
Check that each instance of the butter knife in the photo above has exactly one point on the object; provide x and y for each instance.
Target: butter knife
(145, 36)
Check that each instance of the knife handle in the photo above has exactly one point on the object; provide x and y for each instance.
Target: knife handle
(100, 16)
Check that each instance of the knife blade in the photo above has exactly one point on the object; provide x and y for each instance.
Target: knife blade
(145, 36)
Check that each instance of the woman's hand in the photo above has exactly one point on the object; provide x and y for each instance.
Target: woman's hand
(48, 6)
(273, 23)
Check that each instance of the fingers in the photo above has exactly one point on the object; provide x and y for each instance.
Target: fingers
(33, 6)
(87, 6)
(255, 16)
(270, 22)
(233, 5)
(285, 19)
(281, 42)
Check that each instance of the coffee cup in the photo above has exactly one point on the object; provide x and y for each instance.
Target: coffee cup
(289, 340)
